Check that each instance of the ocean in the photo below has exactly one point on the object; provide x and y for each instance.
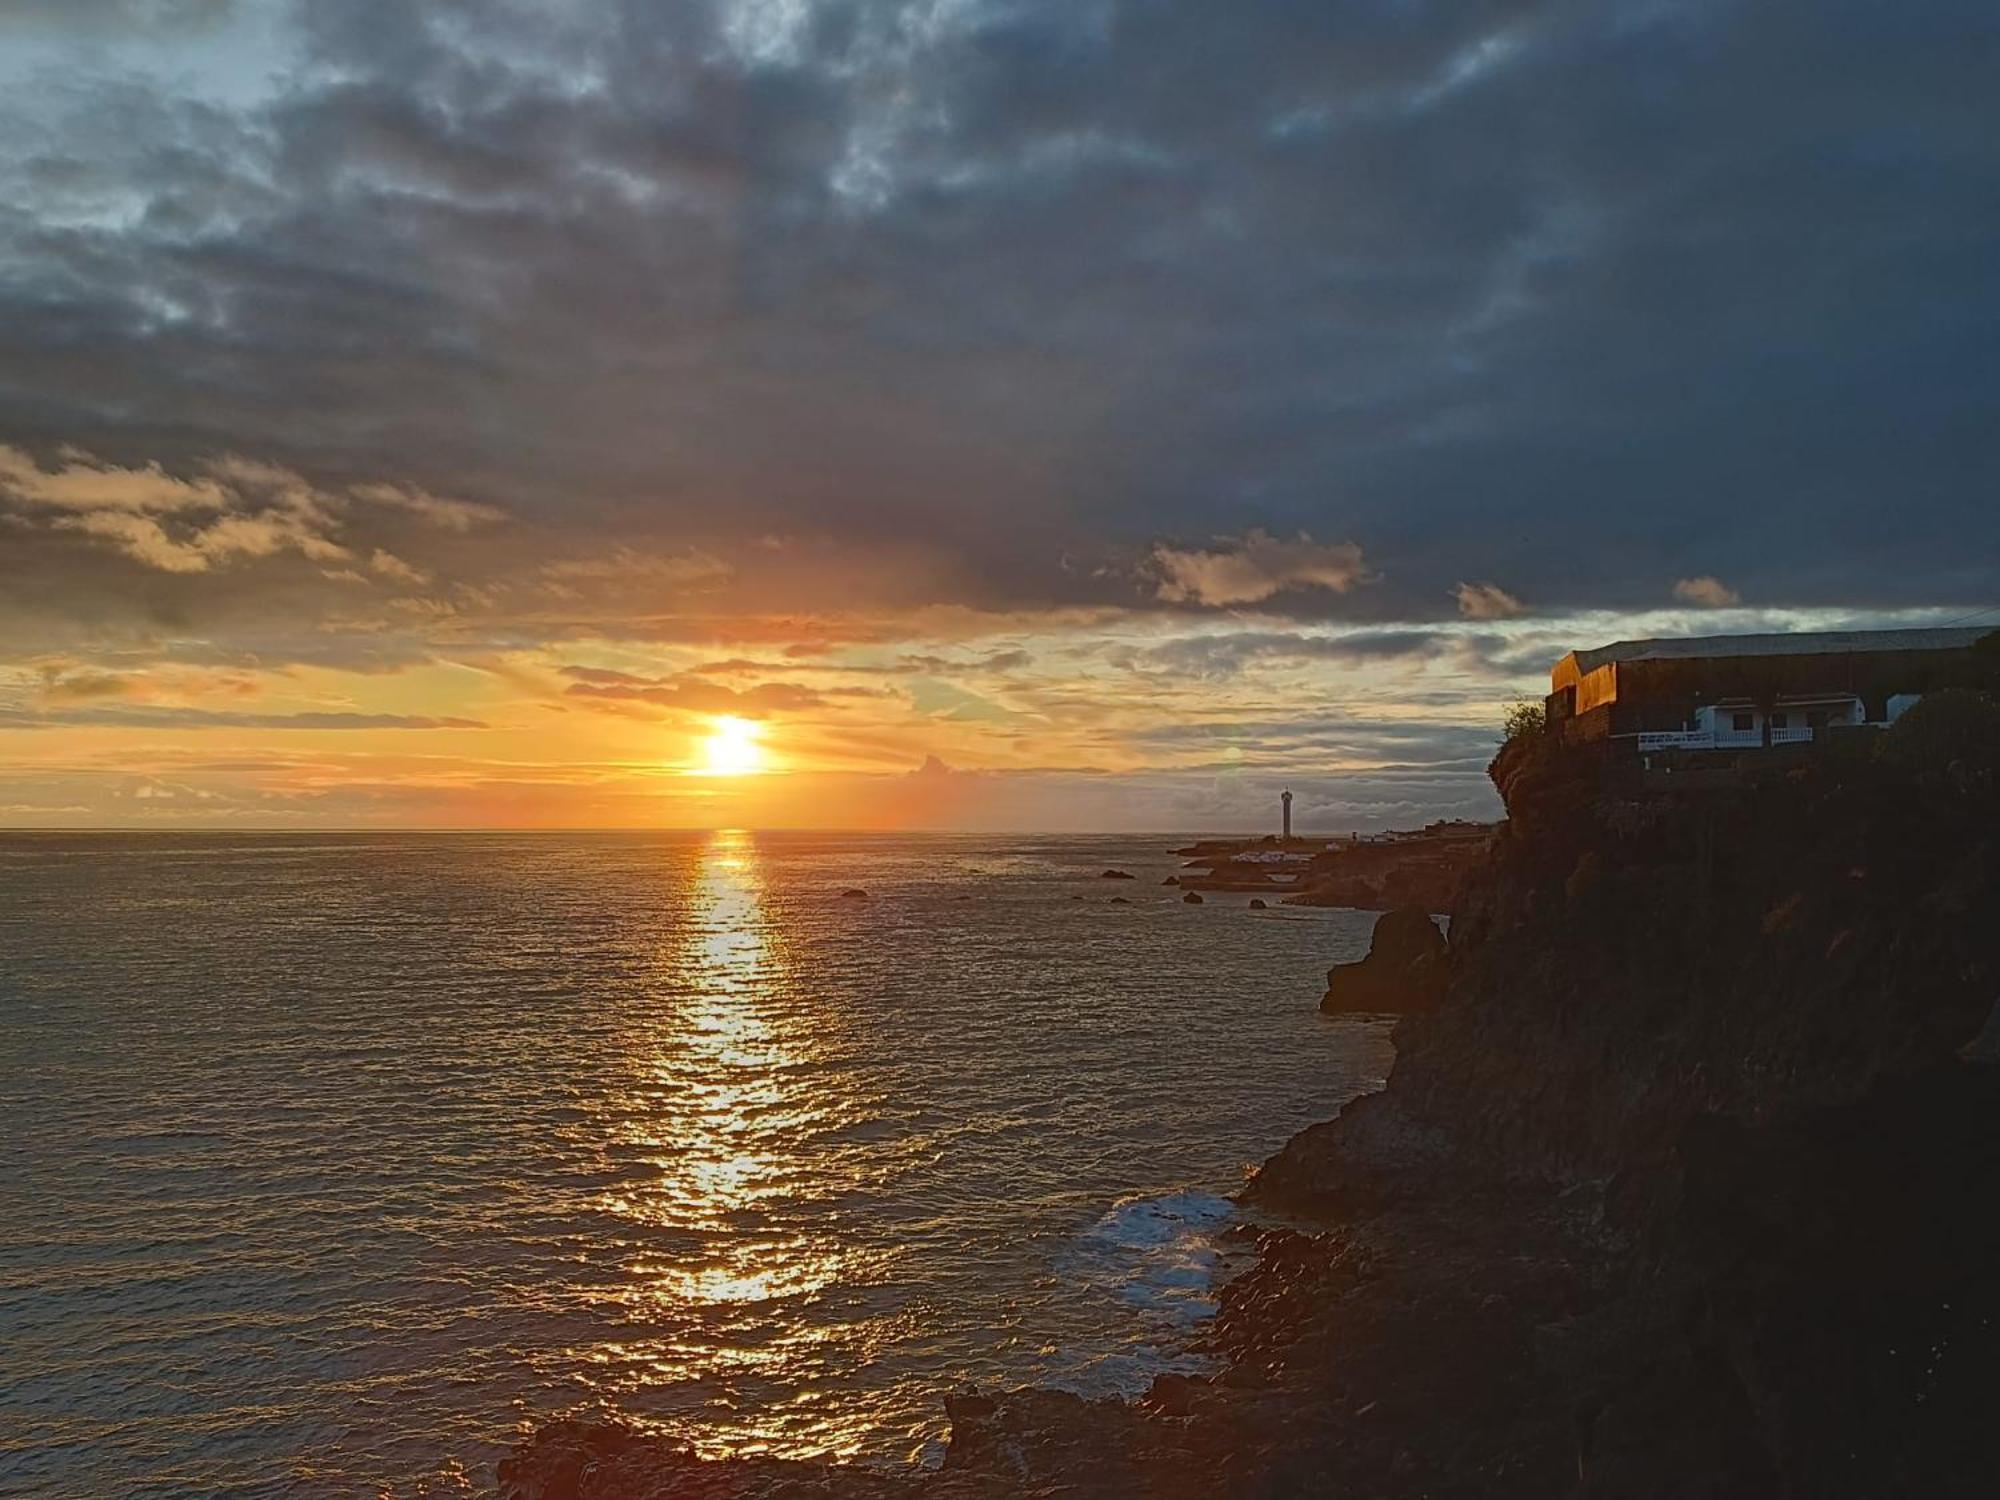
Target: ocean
(335, 1163)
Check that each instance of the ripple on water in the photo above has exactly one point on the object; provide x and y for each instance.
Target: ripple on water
(341, 1161)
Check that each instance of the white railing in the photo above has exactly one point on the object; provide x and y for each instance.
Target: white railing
(1678, 739)
(1720, 739)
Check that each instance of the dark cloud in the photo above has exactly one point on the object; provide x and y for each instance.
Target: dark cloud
(1571, 301)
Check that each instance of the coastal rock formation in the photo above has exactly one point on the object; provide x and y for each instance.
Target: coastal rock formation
(1258, 903)
(1192, 898)
(1425, 868)
(1700, 1059)
(854, 893)
(1404, 970)
(1117, 875)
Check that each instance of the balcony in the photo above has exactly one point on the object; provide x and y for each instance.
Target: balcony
(1677, 739)
(1720, 739)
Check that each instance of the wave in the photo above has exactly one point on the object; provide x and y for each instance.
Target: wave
(1160, 1255)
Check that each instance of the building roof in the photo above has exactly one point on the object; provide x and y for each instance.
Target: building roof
(1792, 643)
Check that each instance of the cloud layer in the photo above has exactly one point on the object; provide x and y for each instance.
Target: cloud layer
(1236, 355)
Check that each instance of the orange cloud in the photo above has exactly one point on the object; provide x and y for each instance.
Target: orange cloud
(1257, 567)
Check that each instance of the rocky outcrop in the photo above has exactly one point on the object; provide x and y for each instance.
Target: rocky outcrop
(1403, 972)
(1425, 869)
(1717, 1055)
(1117, 875)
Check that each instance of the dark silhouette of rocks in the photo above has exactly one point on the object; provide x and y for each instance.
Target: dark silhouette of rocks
(1171, 880)
(1404, 970)
(1695, 1106)
(1118, 901)
(1258, 903)
(1117, 875)
(1424, 868)
(1377, 872)
(854, 893)
(1192, 898)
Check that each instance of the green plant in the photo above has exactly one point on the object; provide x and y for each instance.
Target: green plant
(1525, 719)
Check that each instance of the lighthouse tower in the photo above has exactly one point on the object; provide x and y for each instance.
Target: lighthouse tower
(1286, 799)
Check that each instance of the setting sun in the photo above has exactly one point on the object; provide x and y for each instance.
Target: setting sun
(733, 748)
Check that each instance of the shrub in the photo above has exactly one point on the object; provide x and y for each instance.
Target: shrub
(1527, 719)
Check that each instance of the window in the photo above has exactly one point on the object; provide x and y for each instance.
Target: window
(1780, 721)
(1816, 718)
(1744, 723)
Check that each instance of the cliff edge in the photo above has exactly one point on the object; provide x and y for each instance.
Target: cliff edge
(1736, 1046)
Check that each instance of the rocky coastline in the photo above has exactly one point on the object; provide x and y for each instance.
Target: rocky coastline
(1687, 1185)
(1422, 868)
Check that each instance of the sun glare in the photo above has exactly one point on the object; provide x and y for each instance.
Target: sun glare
(733, 748)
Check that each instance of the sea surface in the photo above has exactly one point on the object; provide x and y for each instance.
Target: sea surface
(333, 1164)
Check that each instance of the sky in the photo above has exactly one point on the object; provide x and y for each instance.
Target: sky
(1094, 414)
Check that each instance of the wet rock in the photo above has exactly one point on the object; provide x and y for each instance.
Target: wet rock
(1117, 875)
(1192, 898)
(1174, 1395)
(1257, 903)
(1403, 972)
(1171, 880)
(969, 1408)
(854, 893)
(1118, 901)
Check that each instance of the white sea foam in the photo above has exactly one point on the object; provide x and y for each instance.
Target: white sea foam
(1158, 1255)
(1161, 1259)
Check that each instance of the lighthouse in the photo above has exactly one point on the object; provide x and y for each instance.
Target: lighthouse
(1286, 799)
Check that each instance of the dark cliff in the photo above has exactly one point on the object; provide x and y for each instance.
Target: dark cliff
(1734, 1045)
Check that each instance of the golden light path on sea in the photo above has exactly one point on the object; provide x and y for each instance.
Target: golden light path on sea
(726, 1103)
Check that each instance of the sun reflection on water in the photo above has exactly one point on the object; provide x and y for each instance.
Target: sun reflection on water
(728, 1102)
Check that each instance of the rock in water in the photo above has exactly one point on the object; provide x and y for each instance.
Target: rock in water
(1192, 898)
(1404, 970)
(1171, 880)
(854, 893)
(1117, 875)
(1257, 904)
